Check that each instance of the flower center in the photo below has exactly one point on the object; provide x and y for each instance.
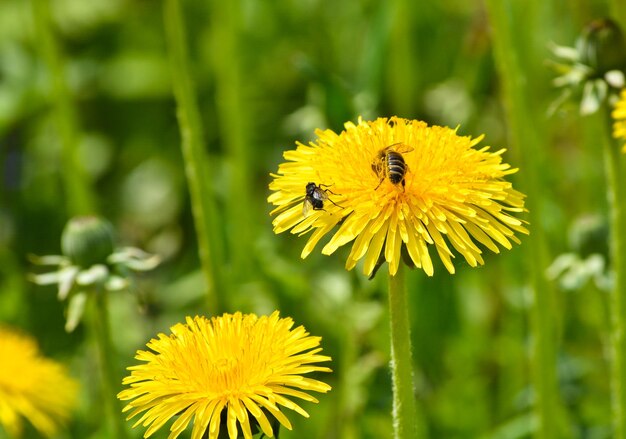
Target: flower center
(225, 365)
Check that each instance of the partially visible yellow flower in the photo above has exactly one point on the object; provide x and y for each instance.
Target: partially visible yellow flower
(619, 114)
(244, 365)
(32, 386)
(453, 195)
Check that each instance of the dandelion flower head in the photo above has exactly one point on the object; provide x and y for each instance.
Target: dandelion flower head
(240, 364)
(452, 197)
(619, 115)
(32, 386)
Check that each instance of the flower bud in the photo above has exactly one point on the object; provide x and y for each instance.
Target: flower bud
(602, 47)
(87, 240)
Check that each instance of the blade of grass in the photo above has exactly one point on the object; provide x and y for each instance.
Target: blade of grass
(524, 135)
(232, 118)
(79, 198)
(203, 204)
(404, 80)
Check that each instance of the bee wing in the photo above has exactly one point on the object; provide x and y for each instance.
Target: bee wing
(323, 194)
(306, 207)
(401, 147)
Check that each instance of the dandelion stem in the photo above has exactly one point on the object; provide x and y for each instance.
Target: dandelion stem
(405, 420)
(106, 352)
(202, 198)
(616, 191)
(525, 130)
(77, 191)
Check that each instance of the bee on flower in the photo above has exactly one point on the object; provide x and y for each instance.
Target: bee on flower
(315, 197)
(389, 163)
(401, 184)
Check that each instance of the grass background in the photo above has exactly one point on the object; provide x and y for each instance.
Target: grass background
(267, 74)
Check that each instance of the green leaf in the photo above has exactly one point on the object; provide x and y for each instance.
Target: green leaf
(75, 310)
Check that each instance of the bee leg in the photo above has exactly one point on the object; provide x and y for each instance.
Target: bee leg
(334, 202)
(379, 183)
(327, 186)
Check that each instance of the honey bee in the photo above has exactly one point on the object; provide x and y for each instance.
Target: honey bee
(315, 197)
(390, 163)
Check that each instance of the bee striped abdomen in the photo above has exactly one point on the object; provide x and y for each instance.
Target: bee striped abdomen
(396, 167)
(389, 163)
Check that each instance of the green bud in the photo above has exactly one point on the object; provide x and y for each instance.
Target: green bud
(602, 47)
(87, 240)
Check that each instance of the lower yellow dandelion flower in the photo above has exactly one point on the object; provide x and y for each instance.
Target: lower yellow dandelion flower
(399, 183)
(244, 365)
(32, 387)
(619, 115)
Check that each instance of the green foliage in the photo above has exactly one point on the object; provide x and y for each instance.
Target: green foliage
(296, 66)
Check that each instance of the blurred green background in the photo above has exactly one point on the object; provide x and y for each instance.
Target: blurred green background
(297, 66)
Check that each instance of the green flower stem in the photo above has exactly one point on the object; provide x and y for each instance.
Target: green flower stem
(110, 381)
(405, 420)
(525, 128)
(203, 203)
(78, 194)
(616, 187)
(229, 83)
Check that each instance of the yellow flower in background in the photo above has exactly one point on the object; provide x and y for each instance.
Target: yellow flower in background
(32, 386)
(395, 182)
(619, 114)
(245, 365)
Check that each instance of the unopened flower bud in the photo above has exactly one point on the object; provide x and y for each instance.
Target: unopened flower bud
(87, 240)
(602, 47)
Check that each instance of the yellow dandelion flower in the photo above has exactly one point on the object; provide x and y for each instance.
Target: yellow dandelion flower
(439, 192)
(243, 364)
(619, 115)
(32, 386)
